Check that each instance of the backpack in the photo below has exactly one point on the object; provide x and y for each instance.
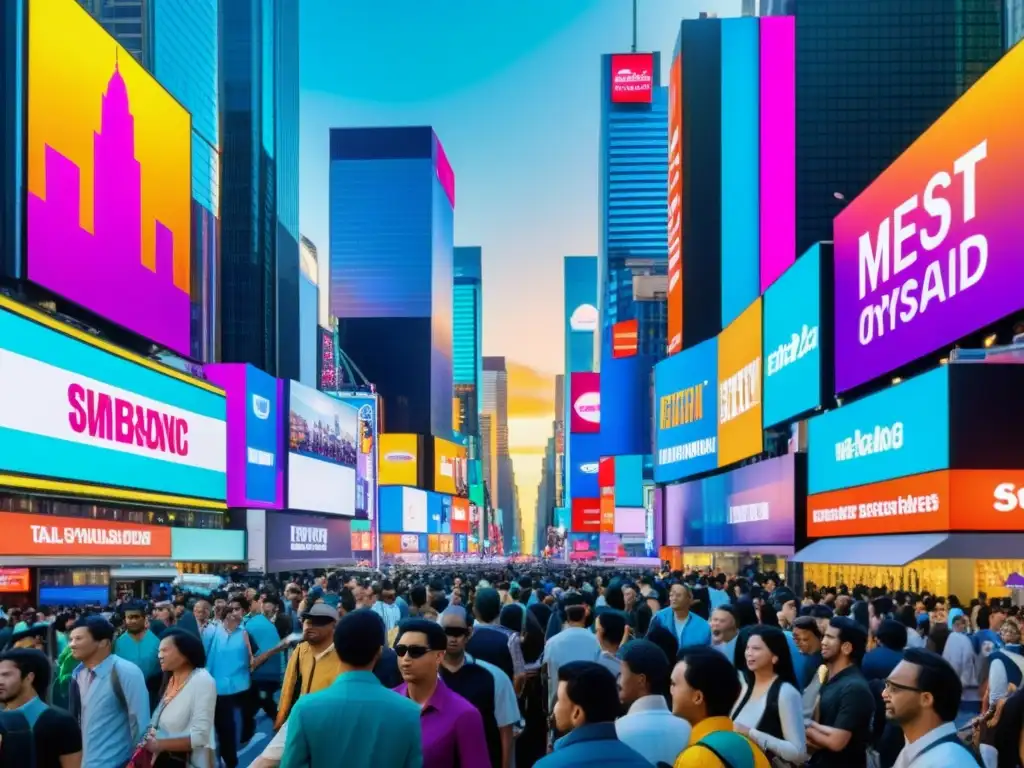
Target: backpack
(732, 748)
(17, 742)
(952, 739)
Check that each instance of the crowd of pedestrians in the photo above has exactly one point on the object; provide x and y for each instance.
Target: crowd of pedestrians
(497, 669)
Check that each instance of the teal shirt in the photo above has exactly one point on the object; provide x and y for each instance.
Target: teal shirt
(143, 653)
(264, 637)
(355, 721)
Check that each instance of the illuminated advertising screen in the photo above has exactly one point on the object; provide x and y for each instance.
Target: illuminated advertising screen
(404, 510)
(739, 388)
(398, 459)
(14, 580)
(439, 513)
(327, 369)
(632, 78)
(778, 146)
(630, 520)
(626, 404)
(461, 519)
(686, 426)
(948, 500)
(585, 402)
(930, 252)
(108, 212)
(301, 541)
(902, 430)
(586, 515)
(49, 536)
(792, 341)
(751, 506)
(584, 318)
(675, 207)
(323, 452)
(450, 470)
(625, 341)
(629, 481)
(87, 413)
(366, 463)
(584, 462)
(255, 437)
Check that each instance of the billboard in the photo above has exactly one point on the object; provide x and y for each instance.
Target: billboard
(930, 252)
(686, 426)
(632, 78)
(778, 146)
(49, 536)
(404, 510)
(740, 434)
(255, 441)
(322, 452)
(109, 178)
(79, 410)
(902, 430)
(366, 463)
(398, 459)
(948, 500)
(450, 471)
(625, 341)
(675, 207)
(586, 515)
(296, 542)
(629, 481)
(461, 521)
(751, 506)
(792, 334)
(327, 370)
(584, 318)
(439, 513)
(14, 580)
(585, 402)
(626, 400)
(630, 520)
(584, 464)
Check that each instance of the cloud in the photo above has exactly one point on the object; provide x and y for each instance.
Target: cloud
(531, 393)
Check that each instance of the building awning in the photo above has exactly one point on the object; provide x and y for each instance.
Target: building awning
(777, 550)
(132, 572)
(905, 548)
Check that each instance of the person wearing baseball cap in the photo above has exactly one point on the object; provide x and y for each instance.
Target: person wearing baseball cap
(314, 665)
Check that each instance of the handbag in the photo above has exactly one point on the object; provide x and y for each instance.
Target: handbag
(143, 758)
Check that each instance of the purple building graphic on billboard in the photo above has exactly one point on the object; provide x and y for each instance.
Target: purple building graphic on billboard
(103, 270)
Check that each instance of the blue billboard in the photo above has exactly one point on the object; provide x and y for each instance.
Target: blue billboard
(629, 481)
(625, 404)
(439, 512)
(584, 455)
(792, 353)
(900, 431)
(686, 413)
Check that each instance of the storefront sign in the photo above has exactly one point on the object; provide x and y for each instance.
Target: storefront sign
(301, 541)
(76, 409)
(49, 536)
(740, 433)
(14, 580)
(686, 415)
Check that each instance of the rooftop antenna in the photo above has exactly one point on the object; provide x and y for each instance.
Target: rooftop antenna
(634, 25)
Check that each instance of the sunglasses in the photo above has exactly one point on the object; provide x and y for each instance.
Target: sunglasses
(414, 651)
(456, 631)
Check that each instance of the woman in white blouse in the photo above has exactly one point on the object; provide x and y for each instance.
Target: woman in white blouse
(181, 731)
(770, 711)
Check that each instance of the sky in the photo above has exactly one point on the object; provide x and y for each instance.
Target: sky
(511, 87)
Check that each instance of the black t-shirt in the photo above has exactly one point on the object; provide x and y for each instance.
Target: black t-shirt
(476, 685)
(846, 702)
(56, 734)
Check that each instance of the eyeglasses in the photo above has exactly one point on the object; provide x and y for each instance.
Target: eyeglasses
(414, 651)
(890, 686)
(456, 631)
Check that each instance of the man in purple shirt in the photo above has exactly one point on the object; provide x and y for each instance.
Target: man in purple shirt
(453, 731)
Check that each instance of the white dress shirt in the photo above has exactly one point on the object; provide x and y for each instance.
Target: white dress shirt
(652, 730)
(918, 754)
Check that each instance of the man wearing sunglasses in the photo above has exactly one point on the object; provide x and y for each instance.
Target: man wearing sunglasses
(453, 730)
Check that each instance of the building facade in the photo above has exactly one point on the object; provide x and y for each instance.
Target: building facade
(309, 302)
(582, 320)
(633, 209)
(259, 110)
(1014, 22)
(12, 136)
(392, 277)
(495, 407)
(467, 338)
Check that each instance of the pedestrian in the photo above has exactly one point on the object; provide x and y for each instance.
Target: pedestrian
(649, 726)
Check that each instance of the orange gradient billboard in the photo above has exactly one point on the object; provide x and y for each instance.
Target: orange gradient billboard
(739, 388)
(49, 536)
(675, 207)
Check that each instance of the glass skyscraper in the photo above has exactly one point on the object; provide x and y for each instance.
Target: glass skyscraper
(633, 211)
(12, 136)
(467, 337)
(259, 77)
(1014, 22)
(580, 276)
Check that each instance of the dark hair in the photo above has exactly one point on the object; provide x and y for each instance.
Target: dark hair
(645, 658)
(908, 618)
(711, 673)
(778, 645)
(188, 645)
(664, 639)
(593, 689)
(241, 600)
(387, 586)
(359, 637)
(728, 608)
(892, 634)
(936, 676)
(614, 625)
(808, 624)
(274, 600)
(851, 632)
(437, 640)
(29, 660)
(99, 628)
(487, 605)
(614, 598)
(418, 595)
(347, 600)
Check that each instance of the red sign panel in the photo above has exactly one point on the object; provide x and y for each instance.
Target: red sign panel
(586, 515)
(625, 338)
(606, 472)
(632, 78)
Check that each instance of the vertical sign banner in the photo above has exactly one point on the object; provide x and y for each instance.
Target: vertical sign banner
(585, 406)
(739, 388)
(632, 78)
(625, 338)
(366, 468)
(778, 147)
(675, 207)
(686, 421)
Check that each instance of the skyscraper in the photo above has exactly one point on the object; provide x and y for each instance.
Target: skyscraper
(323, 281)
(259, 76)
(545, 497)
(632, 237)
(859, 104)
(391, 276)
(495, 404)
(1014, 22)
(579, 331)
(178, 42)
(12, 136)
(309, 301)
(467, 337)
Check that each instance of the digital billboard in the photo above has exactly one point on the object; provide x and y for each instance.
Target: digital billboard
(327, 371)
(398, 459)
(630, 520)
(686, 426)
(323, 452)
(792, 335)
(930, 251)
(461, 521)
(778, 146)
(585, 402)
(49, 536)
(626, 404)
(450, 470)
(740, 434)
(902, 430)
(632, 78)
(366, 466)
(625, 340)
(108, 210)
(255, 438)
(14, 580)
(675, 207)
(296, 542)
(584, 463)
(751, 506)
(948, 500)
(586, 515)
(439, 513)
(404, 510)
(584, 318)
(82, 411)
(629, 481)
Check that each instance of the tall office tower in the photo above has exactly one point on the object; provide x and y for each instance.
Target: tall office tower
(178, 42)
(580, 330)
(467, 338)
(12, 136)
(633, 176)
(847, 51)
(323, 280)
(776, 7)
(545, 513)
(495, 404)
(489, 452)
(259, 75)
(749, 8)
(391, 276)
(559, 427)
(309, 304)
(1014, 22)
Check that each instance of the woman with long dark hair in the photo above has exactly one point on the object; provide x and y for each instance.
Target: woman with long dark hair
(770, 711)
(532, 742)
